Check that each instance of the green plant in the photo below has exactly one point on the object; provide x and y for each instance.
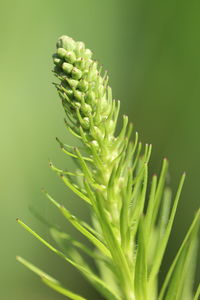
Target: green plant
(130, 230)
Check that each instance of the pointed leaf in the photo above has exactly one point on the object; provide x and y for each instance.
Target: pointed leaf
(182, 251)
(50, 281)
(161, 248)
(141, 266)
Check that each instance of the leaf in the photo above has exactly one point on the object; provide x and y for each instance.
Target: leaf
(164, 214)
(162, 246)
(74, 189)
(94, 279)
(139, 205)
(197, 294)
(63, 148)
(141, 265)
(159, 192)
(79, 226)
(149, 213)
(177, 266)
(76, 223)
(65, 241)
(50, 281)
(189, 271)
(119, 259)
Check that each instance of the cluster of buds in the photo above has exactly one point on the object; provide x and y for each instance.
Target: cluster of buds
(85, 94)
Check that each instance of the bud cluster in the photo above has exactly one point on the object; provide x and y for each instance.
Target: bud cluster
(84, 92)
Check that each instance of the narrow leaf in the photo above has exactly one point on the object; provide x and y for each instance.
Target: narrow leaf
(50, 281)
(141, 266)
(100, 285)
(161, 248)
(188, 239)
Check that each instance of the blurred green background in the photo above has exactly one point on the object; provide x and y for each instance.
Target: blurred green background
(152, 52)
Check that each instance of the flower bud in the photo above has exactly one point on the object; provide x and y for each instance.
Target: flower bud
(90, 97)
(67, 68)
(61, 52)
(86, 122)
(95, 144)
(76, 73)
(70, 57)
(77, 104)
(80, 47)
(86, 109)
(83, 85)
(78, 95)
(88, 53)
(96, 132)
(80, 63)
(66, 42)
(72, 83)
(110, 125)
(57, 61)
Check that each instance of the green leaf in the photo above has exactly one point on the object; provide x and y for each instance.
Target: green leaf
(50, 281)
(159, 192)
(149, 213)
(197, 294)
(94, 279)
(176, 269)
(79, 226)
(189, 271)
(162, 246)
(76, 223)
(139, 205)
(65, 241)
(118, 256)
(164, 214)
(141, 265)
(75, 189)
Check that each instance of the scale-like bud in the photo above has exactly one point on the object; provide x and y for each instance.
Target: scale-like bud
(81, 82)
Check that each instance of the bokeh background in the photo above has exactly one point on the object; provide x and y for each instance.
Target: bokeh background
(152, 52)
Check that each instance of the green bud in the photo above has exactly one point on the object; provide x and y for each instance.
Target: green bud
(66, 42)
(70, 57)
(67, 68)
(76, 73)
(110, 125)
(80, 63)
(92, 75)
(86, 122)
(72, 83)
(90, 97)
(61, 52)
(101, 91)
(103, 105)
(86, 109)
(95, 144)
(78, 95)
(69, 92)
(80, 48)
(77, 104)
(85, 74)
(88, 63)
(83, 85)
(88, 53)
(96, 132)
(57, 61)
